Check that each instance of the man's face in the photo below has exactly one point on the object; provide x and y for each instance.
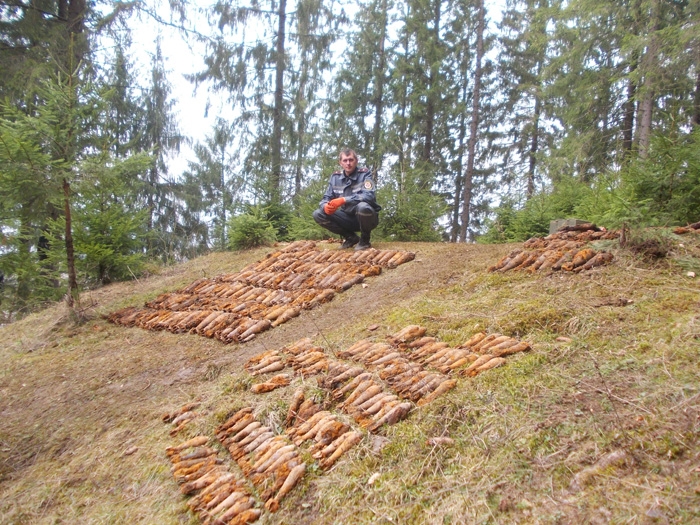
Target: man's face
(348, 163)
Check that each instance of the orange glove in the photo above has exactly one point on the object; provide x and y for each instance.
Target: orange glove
(331, 207)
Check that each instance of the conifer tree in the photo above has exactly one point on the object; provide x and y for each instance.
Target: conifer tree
(355, 110)
(468, 189)
(214, 181)
(254, 70)
(125, 116)
(524, 58)
(308, 72)
(52, 137)
(615, 64)
(53, 112)
(161, 136)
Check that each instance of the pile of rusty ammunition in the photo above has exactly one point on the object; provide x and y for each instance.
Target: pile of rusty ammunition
(561, 251)
(378, 382)
(369, 385)
(236, 307)
(691, 228)
(270, 461)
(217, 494)
(181, 418)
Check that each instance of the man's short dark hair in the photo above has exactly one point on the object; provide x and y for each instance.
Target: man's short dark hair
(347, 152)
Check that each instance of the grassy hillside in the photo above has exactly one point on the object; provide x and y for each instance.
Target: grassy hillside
(597, 424)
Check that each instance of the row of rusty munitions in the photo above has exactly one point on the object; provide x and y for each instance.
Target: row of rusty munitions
(250, 319)
(331, 437)
(368, 402)
(218, 496)
(691, 228)
(270, 461)
(236, 307)
(304, 255)
(181, 417)
(414, 366)
(564, 251)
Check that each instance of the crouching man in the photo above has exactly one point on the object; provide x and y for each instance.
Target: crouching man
(349, 204)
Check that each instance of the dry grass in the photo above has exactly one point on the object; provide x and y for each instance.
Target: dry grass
(531, 438)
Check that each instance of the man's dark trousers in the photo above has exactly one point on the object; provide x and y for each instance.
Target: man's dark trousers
(364, 220)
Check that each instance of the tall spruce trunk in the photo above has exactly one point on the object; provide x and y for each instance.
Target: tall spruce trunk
(473, 127)
(650, 63)
(433, 93)
(73, 296)
(696, 104)
(376, 150)
(404, 153)
(628, 121)
(276, 146)
(72, 12)
(222, 182)
(301, 123)
(299, 172)
(646, 108)
(534, 146)
(75, 11)
(454, 230)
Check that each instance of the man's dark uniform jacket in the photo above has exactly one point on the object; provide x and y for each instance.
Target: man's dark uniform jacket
(356, 187)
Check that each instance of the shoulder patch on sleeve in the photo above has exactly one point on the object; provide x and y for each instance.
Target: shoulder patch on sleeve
(368, 184)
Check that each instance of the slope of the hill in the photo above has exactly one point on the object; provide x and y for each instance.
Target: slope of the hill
(599, 423)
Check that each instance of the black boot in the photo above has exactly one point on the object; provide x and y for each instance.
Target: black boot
(350, 241)
(364, 243)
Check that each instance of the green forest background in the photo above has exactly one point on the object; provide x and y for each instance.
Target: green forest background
(477, 131)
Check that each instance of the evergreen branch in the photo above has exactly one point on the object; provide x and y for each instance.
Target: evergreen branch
(26, 152)
(7, 148)
(5, 47)
(32, 8)
(119, 8)
(179, 27)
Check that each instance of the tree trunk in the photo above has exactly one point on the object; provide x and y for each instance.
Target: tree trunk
(377, 150)
(76, 16)
(300, 109)
(404, 150)
(645, 113)
(63, 9)
(628, 121)
(276, 146)
(223, 198)
(474, 126)
(298, 174)
(150, 198)
(72, 13)
(534, 146)
(432, 91)
(76, 13)
(649, 68)
(696, 105)
(454, 231)
(72, 297)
